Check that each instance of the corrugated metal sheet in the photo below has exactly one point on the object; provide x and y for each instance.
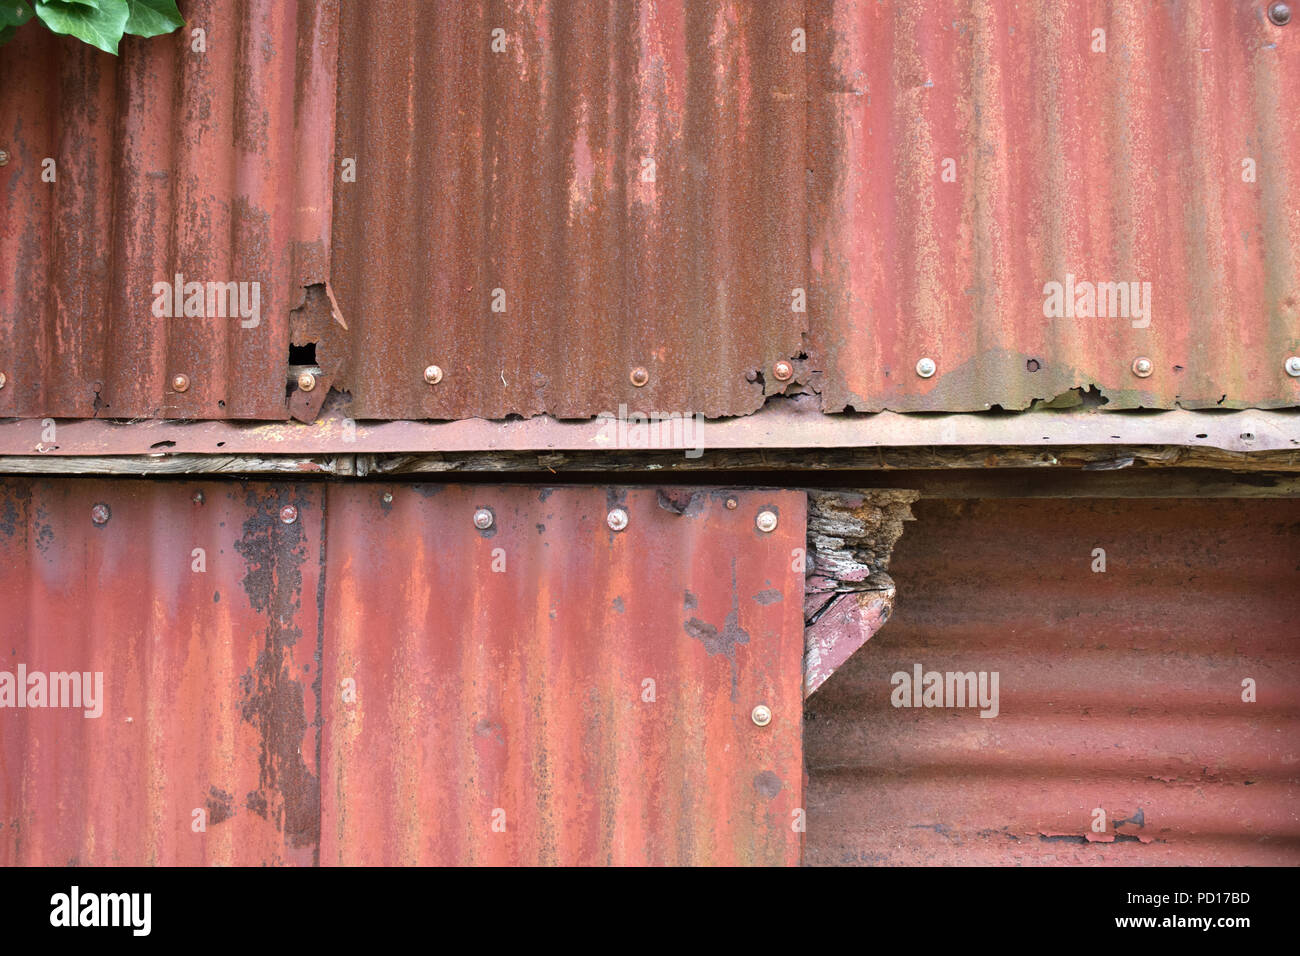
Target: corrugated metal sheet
(468, 160)
(525, 171)
(213, 164)
(1117, 166)
(503, 669)
(210, 679)
(501, 677)
(1119, 690)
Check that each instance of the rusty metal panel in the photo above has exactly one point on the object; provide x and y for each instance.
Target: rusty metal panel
(1119, 690)
(209, 676)
(210, 163)
(500, 676)
(508, 147)
(1117, 166)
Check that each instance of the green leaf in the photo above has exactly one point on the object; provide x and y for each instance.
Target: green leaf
(6, 34)
(151, 18)
(14, 13)
(101, 27)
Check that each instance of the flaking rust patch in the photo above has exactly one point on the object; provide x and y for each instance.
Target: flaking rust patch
(272, 700)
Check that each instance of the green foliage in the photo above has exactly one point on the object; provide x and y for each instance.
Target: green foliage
(101, 23)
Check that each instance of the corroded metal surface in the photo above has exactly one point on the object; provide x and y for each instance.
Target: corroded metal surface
(682, 207)
(1119, 690)
(204, 156)
(1166, 158)
(198, 605)
(782, 423)
(551, 194)
(501, 677)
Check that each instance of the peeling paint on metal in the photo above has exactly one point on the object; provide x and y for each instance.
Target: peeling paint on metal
(520, 696)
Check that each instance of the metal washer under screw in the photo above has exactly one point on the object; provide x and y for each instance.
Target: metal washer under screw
(639, 376)
(732, 504)
(180, 383)
(782, 370)
(100, 514)
(761, 715)
(306, 382)
(483, 519)
(432, 374)
(1292, 368)
(288, 514)
(925, 367)
(1279, 13)
(616, 519)
(1142, 367)
(766, 521)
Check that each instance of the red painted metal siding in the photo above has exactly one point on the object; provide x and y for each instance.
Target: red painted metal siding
(214, 165)
(1118, 690)
(210, 678)
(1117, 166)
(496, 669)
(522, 690)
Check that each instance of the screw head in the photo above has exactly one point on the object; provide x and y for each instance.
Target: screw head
(925, 367)
(761, 715)
(433, 374)
(782, 370)
(639, 376)
(180, 383)
(388, 497)
(4, 157)
(483, 519)
(1292, 367)
(732, 504)
(288, 514)
(1279, 13)
(2, 380)
(766, 521)
(306, 382)
(616, 519)
(197, 498)
(100, 513)
(1142, 367)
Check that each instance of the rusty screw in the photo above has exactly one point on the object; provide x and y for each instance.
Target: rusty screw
(1142, 367)
(4, 157)
(306, 382)
(100, 514)
(616, 519)
(197, 498)
(1280, 13)
(766, 521)
(483, 519)
(388, 497)
(288, 514)
(925, 367)
(639, 376)
(2, 379)
(783, 370)
(732, 504)
(433, 374)
(761, 715)
(1292, 368)
(180, 383)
